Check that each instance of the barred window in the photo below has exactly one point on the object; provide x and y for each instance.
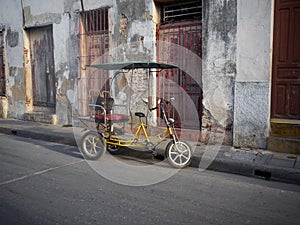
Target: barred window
(94, 43)
(182, 10)
(96, 20)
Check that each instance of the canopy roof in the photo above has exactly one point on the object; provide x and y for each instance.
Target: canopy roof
(132, 65)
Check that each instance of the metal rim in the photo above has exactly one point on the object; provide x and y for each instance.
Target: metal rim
(179, 154)
(92, 145)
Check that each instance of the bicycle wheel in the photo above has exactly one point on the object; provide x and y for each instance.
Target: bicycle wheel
(179, 154)
(93, 146)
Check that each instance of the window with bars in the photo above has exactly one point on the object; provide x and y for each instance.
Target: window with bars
(2, 66)
(95, 20)
(93, 44)
(96, 33)
(182, 10)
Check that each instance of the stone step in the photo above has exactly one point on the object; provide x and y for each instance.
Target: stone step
(41, 117)
(284, 136)
(284, 145)
(288, 130)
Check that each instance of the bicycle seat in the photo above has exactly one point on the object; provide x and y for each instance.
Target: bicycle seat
(115, 118)
(140, 114)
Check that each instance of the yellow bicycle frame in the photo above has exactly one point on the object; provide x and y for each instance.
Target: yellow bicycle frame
(134, 141)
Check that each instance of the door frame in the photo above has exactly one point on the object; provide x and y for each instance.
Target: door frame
(180, 29)
(50, 102)
(274, 96)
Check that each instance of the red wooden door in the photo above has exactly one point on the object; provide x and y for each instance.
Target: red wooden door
(286, 60)
(189, 36)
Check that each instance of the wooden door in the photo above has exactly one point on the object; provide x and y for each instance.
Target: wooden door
(286, 60)
(42, 64)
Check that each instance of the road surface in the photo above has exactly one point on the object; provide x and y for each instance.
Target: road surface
(49, 183)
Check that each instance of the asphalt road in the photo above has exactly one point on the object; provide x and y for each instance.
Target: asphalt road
(48, 183)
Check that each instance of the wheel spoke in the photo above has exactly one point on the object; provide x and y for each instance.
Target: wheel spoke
(184, 151)
(177, 148)
(180, 160)
(185, 157)
(93, 150)
(89, 140)
(98, 147)
(174, 153)
(179, 154)
(176, 157)
(93, 146)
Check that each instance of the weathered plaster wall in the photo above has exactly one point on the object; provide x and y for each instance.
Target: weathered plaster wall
(251, 111)
(136, 41)
(40, 14)
(11, 22)
(92, 4)
(131, 38)
(253, 40)
(137, 36)
(62, 16)
(64, 42)
(219, 67)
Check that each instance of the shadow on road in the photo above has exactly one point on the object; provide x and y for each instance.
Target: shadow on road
(60, 148)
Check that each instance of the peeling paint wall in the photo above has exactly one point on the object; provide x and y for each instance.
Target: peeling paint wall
(236, 70)
(131, 38)
(62, 16)
(252, 88)
(138, 45)
(219, 67)
(11, 22)
(138, 29)
(64, 40)
(236, 59)
(15, 14)
(40, 14)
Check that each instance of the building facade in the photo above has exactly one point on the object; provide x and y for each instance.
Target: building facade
(245, 83)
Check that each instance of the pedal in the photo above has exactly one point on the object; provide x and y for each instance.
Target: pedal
(150, 147)
(154, 153)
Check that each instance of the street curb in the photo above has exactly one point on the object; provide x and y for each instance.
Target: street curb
(221, 163)
(60, 139)
(266, 172)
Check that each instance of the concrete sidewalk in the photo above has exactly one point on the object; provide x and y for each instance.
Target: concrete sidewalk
(255, 163)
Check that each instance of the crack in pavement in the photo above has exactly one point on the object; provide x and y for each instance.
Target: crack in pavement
(39, 173)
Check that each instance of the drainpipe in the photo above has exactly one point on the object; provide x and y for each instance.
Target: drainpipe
(83, 53)
(22, 6)
(82, 7)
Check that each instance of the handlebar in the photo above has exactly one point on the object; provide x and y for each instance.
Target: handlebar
(156, 107)
(160, 102)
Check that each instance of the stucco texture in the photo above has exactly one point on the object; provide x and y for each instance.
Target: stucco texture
(251, 114)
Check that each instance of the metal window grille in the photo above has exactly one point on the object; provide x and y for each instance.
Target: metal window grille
(95, 21)
(92, 44)
(188, 35)
(183, 10)
(96, 32)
